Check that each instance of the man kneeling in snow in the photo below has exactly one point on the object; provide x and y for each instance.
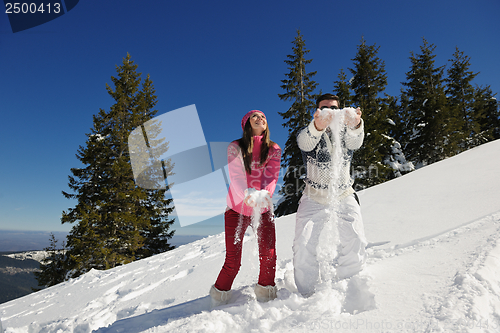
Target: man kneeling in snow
(328, 190)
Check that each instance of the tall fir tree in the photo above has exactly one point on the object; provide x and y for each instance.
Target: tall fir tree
(342, 88)
(428, 135)
(486, 113)
(299, 88)
(460, 94)
(380, 158)
(116, 221)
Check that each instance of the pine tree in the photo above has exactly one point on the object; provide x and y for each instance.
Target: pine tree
(425, 110)
(116, 221)
(53, 267)
(299, 88)
(460, 93)
(486, 113)
(380, 158)
(394, 156)
(342, 88)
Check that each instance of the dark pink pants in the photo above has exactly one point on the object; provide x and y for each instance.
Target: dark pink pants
(267, 249)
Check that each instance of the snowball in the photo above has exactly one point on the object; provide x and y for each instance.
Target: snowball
(256, 198)
(350, 112)
(338, 113)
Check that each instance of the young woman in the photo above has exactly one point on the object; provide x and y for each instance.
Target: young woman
(254, 166)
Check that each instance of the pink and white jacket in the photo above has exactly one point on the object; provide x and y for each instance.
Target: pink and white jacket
(263, 177)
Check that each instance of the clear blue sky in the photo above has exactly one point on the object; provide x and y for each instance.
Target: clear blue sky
(227, 57)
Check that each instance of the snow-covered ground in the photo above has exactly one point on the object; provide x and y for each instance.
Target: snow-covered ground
(439, 272)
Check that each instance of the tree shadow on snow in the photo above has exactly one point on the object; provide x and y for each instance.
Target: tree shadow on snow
(163, 316)
(158, 317)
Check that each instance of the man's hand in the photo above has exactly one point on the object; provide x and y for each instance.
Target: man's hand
(353, 118)
(322, 120)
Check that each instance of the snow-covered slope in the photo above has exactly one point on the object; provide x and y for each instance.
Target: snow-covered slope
(436, 198)
(439, 273)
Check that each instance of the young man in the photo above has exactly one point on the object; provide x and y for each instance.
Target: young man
(317, 203)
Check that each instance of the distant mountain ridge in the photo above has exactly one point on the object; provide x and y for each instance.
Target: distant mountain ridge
(16, 276)
(22, 240)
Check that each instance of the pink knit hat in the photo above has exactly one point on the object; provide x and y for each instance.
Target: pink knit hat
(245, 117)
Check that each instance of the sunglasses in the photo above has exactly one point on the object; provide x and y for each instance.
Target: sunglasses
(333, 107)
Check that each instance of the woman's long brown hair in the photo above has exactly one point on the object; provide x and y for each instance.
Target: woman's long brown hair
(246, 145)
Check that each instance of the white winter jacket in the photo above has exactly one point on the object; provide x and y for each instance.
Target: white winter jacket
(317, 153)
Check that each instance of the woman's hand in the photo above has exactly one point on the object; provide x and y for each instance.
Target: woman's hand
(254, 198)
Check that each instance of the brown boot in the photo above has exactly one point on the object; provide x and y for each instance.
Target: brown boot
(265, 293)
(219, 297)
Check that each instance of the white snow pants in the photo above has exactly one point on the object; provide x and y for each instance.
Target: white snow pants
(310, 221)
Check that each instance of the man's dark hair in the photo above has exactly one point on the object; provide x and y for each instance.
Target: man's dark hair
(326, 97)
